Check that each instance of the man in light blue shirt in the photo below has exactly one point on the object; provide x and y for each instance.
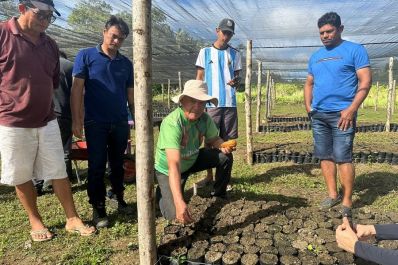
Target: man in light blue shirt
(338, 81)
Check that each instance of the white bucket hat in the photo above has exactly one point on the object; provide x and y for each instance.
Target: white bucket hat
(196, 89)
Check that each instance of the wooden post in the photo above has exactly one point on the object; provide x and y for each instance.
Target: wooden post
(258, 96)
(267, 85)
(142, 50)
(377, 95)
(179, 82)
(249, 135)
(394, 97)
(269, 99)
(162, 92)
(168, 93)
(389, 98)
(272, 96)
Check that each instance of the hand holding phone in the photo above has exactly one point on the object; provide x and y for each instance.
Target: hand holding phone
(235, 81)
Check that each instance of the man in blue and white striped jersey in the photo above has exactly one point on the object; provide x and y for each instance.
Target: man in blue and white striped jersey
(219, 66)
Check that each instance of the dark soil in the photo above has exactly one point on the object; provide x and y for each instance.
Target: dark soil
(260, 232)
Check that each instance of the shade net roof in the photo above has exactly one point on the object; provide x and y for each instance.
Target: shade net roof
(284, 33)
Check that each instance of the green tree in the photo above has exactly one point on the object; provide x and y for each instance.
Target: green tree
(160, 29)
(381, 74)
(89, 16)
(8, 9)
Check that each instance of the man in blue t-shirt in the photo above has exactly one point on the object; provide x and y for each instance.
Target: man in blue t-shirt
(338, 81)
(107, 79)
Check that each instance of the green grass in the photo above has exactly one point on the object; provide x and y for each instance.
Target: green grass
(296, 185)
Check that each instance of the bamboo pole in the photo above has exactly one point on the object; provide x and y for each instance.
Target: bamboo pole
(377, 95)
(142, 50)
(249, 135)
(180, 82)
(162, 92)
(389, 98)
(267, 85)
(168, 93)
(258, 96)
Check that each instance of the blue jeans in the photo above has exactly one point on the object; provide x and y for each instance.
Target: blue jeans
(331, 143)
(105, 141)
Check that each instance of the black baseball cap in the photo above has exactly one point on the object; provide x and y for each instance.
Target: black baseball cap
(227, 24)
(42, 5)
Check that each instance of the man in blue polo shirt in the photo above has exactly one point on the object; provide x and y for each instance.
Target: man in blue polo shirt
(107, 78)
(338, 81)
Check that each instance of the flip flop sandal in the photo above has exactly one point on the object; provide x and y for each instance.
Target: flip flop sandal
(83, 230)
(38, 235)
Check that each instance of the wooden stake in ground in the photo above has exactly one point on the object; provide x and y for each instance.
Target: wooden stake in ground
(394, 96)
(180, 82)
(270, 97)
(162, 93)
(273, 94)
(142, 50)
(258, 96)
(389, 98)
(249, 134)
(267, 87)
(168, 93)
(377, 95)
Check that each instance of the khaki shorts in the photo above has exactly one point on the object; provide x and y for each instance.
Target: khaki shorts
(28, 153)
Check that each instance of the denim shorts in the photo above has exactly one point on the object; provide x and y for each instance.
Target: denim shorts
(331, 143)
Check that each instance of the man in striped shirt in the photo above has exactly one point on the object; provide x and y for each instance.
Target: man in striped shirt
(219, 66)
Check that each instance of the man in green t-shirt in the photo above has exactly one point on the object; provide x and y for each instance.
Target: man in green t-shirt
(179, 152)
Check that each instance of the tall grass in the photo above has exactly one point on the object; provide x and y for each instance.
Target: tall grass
(293, 93)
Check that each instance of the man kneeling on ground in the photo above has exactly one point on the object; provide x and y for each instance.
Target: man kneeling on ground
(179, 152)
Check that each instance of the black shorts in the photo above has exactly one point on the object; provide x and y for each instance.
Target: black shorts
(226, 120)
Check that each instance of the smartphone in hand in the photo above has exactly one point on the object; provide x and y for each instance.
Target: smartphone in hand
(236, 81)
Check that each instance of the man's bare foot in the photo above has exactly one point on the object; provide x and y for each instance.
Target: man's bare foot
(41, 235)
(75, 224)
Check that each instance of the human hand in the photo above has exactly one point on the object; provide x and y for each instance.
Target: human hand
(364, 232)
(77, 129)
(228, 147)
(234, 82)
(346, 119)
(346, 237)
(182, 213)
(227, 150)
